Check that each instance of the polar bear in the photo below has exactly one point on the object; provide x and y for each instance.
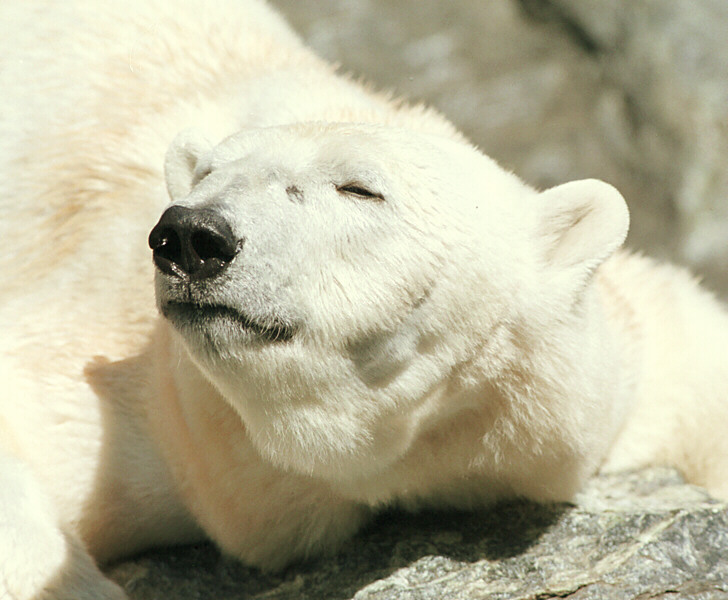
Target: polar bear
(347, 305)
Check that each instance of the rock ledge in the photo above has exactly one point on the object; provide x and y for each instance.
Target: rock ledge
(634, 535)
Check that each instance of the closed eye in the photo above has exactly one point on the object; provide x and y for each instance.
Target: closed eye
(355, 189)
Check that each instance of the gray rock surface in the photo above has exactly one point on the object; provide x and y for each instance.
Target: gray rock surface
(633, 92)
(636, 535)
(668, 61)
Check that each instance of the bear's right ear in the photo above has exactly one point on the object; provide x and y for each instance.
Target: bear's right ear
(182, 158)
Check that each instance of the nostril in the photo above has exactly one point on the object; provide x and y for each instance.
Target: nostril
(210, 245)
(167, 249)
(169, 246)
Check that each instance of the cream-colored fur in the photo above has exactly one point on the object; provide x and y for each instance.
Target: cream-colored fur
(455, 338)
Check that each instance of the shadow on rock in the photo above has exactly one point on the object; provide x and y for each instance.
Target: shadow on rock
(438, 541)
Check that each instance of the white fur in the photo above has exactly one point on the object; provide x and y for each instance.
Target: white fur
(463, 339)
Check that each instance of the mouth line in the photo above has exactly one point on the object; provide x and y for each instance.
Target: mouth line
(205, 315)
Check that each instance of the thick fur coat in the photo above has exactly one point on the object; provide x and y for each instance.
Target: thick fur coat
(347, 305)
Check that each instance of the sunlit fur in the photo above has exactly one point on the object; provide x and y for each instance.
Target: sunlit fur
(450, 337)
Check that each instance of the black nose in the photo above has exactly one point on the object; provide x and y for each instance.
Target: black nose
(192, 242)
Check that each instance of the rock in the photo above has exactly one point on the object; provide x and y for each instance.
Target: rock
(633, 535)
(669, 61)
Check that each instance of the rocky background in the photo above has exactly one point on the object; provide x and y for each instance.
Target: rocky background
(634, 92)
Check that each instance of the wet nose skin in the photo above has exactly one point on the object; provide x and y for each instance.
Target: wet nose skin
(194, 243)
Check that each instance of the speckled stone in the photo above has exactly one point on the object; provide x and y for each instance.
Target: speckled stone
(635, 535)
(669, 61)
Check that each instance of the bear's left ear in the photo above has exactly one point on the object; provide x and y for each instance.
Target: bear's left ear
(182, 158)
(582, 223)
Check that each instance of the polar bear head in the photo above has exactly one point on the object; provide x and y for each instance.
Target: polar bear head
(346, 287)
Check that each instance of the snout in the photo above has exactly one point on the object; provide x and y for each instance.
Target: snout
(193, 243)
